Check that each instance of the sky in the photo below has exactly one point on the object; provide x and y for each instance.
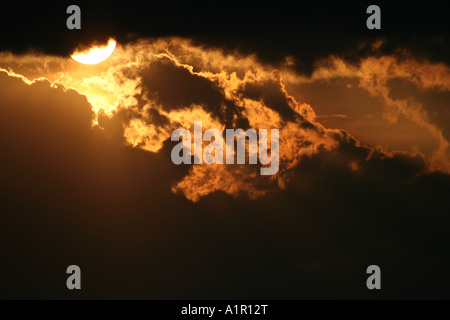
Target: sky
(86, 171)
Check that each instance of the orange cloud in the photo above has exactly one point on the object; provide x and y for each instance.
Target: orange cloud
(374, 74)
(154, 87)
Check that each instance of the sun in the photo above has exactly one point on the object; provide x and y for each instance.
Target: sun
(95, 55)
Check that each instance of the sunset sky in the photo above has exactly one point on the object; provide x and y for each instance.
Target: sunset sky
(87, 176)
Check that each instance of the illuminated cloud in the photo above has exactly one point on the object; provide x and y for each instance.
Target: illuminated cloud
(147, 89)
(375, 75)
(92, 180)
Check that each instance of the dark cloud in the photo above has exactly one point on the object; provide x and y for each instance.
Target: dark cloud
(71, 195)
(272, 95)
(175, 87)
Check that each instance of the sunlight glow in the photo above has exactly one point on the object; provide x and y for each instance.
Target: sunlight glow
(96, 54)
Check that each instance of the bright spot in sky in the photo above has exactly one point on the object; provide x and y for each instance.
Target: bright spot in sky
(95, 54)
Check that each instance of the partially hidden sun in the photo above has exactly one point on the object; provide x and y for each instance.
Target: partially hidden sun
(95, 54)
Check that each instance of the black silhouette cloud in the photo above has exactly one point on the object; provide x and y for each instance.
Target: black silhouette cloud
(71, 194)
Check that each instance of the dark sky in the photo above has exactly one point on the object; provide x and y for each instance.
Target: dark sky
(73, 194)
(272, 29)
